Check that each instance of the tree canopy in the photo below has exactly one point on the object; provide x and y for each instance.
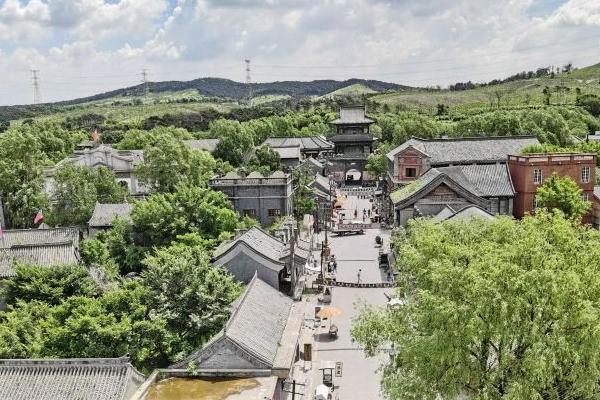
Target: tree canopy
(564, 194)
(500, 309)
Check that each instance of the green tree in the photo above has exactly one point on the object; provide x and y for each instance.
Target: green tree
(304, 197)
(564, 194)
(164, 216)
(591, 103)
(77, 189)
(500, 309)
(170, 163)
(265, 160)
(137, 139)
(50, 285)
(235, 142)
(190, 294)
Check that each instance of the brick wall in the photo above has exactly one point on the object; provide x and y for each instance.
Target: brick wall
(522, 169)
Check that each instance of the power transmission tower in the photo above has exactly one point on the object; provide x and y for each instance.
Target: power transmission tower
(145, 82)
(37, 99)
(248, 81)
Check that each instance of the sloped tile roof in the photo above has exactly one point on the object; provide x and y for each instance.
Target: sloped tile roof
(467, 150)
(44, 247)
(470, 212)
(491, 180)
(307, 143)
(202, 144)
(256, 325)
(485, 180)
(104, 214)
(68, 379)
(45, 255)
(352, 115)
(286, 153)
(255, 175)
(258, 240)
(14, 237)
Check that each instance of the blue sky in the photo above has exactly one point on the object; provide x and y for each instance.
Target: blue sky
(82, 47)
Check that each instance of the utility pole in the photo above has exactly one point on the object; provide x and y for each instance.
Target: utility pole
(36, 86)
(248, 81)
(145, 82)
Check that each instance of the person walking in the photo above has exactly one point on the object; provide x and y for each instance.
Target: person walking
(355, 213)
(358, 276)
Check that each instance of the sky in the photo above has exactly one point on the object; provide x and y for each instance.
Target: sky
(83, 47)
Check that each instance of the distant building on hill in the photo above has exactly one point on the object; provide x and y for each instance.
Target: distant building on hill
(353, 143)
(209, 145)
(310, 146)
(264, 198)
(121, 162)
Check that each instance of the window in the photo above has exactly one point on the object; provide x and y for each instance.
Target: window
(585, 174)
(250, 212)
(410, 172)
(584, 196)
(274, 212)
(537, 176)
(534, 203)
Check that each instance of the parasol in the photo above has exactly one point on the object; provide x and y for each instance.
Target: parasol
(329, 312)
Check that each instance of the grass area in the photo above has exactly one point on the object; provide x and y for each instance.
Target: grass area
(353, 90)
(509, 94)
(128, 112)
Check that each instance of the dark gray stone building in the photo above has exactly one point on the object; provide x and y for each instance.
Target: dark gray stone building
(264, 198)
(353, 143)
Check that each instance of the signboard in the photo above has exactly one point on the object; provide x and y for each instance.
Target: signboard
(307, 351)
(338, 369)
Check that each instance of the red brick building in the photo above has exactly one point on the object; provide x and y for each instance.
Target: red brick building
(528, 172)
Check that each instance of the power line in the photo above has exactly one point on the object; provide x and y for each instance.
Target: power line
(248, 81)
(35, 80)
(145, 81)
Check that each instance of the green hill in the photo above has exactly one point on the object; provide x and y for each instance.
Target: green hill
(563, 88)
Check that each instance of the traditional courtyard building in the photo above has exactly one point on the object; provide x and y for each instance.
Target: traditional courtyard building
(426, 175)
(353, 143)
(260, 337)
(257, 252)
(69, 379)
(104, 215)
(121, 162)
(529, 172)
(264, 198)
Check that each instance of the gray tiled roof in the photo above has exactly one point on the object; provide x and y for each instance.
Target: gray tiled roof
(45, 255)
(467, 150)
(485, 180)
(490, 179)
(352, 115)
(202, 144)
(286, 153)
(68, 379)
(256, 325)
(45, 247)
(105, 214)
(307, 143)
(13, 237)
(470, 212)
(258, 240)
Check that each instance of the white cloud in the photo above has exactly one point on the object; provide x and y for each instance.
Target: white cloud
(410, 41)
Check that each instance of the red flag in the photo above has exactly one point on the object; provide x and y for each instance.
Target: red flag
(95, 135)
(38, 217)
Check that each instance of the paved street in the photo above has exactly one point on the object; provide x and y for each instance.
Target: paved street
(360, 378)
